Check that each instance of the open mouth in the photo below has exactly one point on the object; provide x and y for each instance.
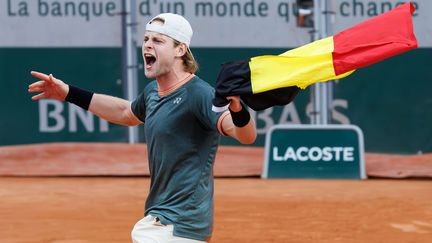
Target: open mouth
(149, 60)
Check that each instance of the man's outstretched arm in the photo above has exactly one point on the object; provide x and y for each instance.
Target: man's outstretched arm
(113, 109)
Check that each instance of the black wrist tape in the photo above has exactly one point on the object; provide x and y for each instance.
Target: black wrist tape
(79, 97)
(241, 118)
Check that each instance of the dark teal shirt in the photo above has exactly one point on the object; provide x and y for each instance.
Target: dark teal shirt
(182, 140)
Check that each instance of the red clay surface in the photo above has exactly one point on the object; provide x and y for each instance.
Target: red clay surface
(94, 209)
(123, 159)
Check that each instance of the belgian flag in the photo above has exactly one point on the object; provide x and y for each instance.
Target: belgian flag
(265, 81)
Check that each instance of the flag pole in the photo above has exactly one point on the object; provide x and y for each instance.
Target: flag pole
(320, 93)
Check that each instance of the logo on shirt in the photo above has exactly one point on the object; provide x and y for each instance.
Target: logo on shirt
(177, 100)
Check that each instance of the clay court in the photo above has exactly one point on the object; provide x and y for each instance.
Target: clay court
(42, 202)
(78, 210)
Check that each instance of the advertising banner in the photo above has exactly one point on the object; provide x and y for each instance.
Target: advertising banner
(313, 151)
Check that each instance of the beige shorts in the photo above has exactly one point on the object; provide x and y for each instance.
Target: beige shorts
(151, 230)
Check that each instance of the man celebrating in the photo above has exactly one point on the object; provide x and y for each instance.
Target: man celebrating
(182, 131)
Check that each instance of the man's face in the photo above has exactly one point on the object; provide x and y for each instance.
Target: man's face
(158, 53)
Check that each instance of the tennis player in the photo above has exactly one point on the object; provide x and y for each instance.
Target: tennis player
(182, 132)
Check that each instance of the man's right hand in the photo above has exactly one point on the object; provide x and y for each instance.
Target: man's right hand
(48, 86)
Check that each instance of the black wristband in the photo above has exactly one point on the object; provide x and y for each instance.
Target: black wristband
(241, 118)
(79, 97)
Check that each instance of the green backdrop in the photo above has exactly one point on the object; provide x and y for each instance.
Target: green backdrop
(390, 101)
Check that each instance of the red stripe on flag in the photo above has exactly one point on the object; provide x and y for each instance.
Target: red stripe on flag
(375, 39)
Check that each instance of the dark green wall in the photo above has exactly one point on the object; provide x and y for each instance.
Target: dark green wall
(95, 69)
(390, 101)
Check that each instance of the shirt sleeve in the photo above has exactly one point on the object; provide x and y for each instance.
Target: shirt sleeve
(203, 109)
(138, 106)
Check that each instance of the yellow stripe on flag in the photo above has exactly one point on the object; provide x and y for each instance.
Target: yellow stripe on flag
(299, 67)
(322, 46)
